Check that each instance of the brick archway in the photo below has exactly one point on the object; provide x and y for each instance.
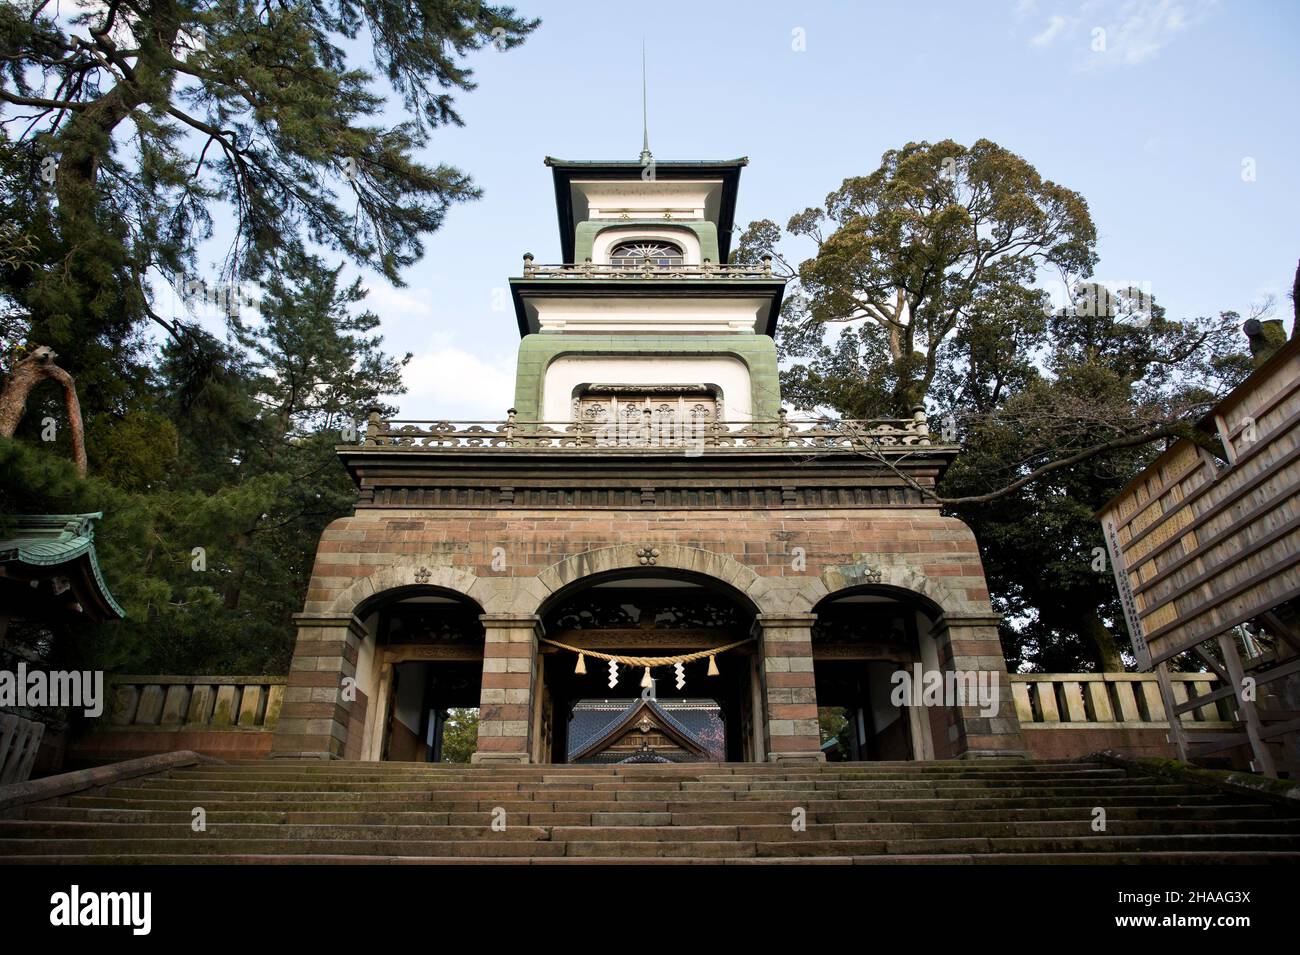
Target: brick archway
(933, 593)
(769, 595)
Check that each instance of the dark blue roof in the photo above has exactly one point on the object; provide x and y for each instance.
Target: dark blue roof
(697, 720)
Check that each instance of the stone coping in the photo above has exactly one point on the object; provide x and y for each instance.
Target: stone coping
(66, 784)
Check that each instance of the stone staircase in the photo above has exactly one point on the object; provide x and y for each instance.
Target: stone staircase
(992, 811)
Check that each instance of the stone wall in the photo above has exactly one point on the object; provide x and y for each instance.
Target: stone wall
(510, 561)
(230, 717)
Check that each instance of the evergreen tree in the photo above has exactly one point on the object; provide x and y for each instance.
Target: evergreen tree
(929, 265)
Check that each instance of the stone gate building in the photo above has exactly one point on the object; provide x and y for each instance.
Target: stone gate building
(646, 496)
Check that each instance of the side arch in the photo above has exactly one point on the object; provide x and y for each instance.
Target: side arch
(935, 595)
(398, 577)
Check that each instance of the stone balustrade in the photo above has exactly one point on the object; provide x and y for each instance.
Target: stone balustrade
(1062, 714)
(20, 739)
(1096, 700)
(208, 702)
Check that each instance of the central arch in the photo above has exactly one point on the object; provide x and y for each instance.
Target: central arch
(648, 610)
(764, 594)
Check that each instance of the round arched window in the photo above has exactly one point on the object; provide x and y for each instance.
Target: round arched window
(641, 255)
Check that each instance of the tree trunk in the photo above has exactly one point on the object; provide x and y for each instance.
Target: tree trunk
(238, 571)
(1108, 656)
(36, 367)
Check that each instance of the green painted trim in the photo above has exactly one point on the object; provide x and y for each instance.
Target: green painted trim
(49, 540)
(537, 351)
(588, 229)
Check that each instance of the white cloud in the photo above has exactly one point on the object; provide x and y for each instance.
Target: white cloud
(449, 382)
(1144, 27)
(396, 305)
(1056, 26)
(1120, 34)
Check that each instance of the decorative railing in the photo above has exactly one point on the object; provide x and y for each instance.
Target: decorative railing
(705, 270)
(195, 702)
(1130, 700)
(646, 433)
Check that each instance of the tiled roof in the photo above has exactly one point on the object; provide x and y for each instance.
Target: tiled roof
(51, 540)
(591, 721)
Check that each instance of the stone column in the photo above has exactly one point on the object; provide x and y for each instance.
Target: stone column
(966, 643)
(317, 714)
(789, 688)
(506, 704)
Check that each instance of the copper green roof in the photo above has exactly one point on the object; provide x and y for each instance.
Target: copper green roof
(34, 546)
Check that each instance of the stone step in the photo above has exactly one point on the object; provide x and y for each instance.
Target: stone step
(1235, 843)
(1080, 858)
(723, 817)
(326, 784)
(941, 766)
(768, 832)
(507, 846)
(424, 803)
(485, 777)
(969, 813)
(143, 788)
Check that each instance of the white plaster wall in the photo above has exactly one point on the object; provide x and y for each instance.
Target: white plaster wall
(367, 676)
(879, 690)
(731, 375)
(669, 315)
(609, 199)
(684, 239)
(408, 705)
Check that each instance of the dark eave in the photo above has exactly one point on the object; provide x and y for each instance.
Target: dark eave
(565, 171)
(48, 567)
(772, 289)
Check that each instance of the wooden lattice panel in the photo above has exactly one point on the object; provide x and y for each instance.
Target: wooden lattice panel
(1200, 547)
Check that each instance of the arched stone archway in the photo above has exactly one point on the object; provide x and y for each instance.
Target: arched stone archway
(332, 639)
(956, 635)
(768, 594)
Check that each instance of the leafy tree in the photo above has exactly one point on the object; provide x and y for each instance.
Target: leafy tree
(460, 735)
(243, 469)
(936, 237)
(128, 124)
(931, 271)
(125, 129)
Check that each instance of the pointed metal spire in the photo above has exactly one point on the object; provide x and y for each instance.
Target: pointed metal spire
(645, 123)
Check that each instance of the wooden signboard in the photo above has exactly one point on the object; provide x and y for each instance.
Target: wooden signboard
(1201, 545)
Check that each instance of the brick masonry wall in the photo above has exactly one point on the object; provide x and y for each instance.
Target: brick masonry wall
(510, 561)
(938, 548)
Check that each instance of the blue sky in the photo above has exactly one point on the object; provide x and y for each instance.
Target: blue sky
(1155, 130)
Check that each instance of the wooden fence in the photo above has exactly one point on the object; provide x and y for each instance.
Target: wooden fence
(19, 740)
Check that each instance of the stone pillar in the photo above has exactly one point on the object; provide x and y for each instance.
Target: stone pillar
(969, 642)
(317, 713)
(789, 688)
(505, 715)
